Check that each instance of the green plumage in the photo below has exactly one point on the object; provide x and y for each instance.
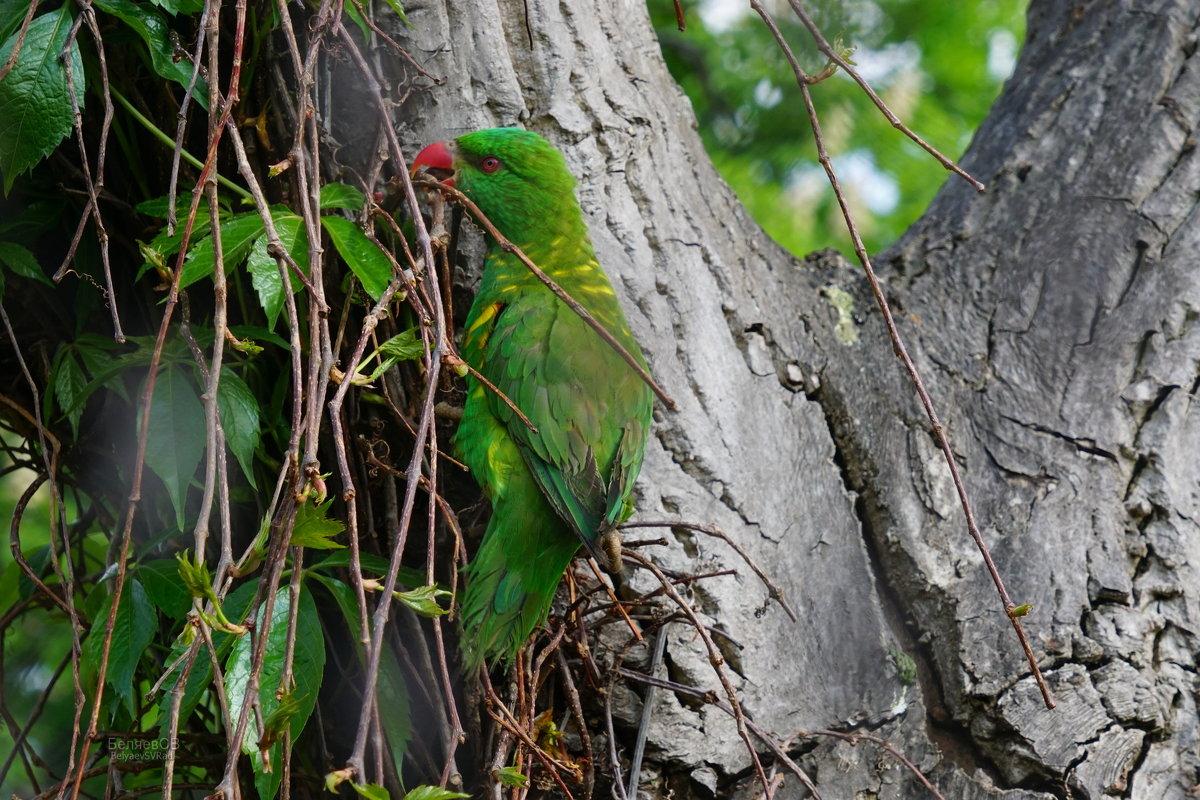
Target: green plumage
(569, 483)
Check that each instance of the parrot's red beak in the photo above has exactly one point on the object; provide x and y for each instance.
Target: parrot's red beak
(437, 161)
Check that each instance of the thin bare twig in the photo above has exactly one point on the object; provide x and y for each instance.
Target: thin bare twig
(715, 659)
(899, 348)
(774, 591)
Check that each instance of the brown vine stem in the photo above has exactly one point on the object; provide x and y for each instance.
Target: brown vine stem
(901, 351)
(559, 292)
(507, 720)
(20, 39)
(433, 364)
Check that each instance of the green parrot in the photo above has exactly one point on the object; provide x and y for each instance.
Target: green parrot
(569, 483)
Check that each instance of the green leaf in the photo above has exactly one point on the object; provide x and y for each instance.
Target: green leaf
(237, 235)
(150, 25)
(39, 561)
(156, 207)
(340, 195)
(68, 384)
(423, 600)
(176, 437)
(308, 668)
(398, 7)
(12, 14)
(133, 630)
(397, 722)
(433, 793)
(345, 598)
(314, 529)
(239, 419)
(511, 776)
(363, 256)
(354, 14)
(35, 108)
(160, 578)
(264, 269)
(21, 262)
(236, 604)
(404, 346)
(180, 6)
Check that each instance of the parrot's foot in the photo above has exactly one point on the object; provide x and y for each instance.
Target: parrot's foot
(610, 541)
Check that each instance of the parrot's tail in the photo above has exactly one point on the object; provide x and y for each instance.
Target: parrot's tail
(512, 579)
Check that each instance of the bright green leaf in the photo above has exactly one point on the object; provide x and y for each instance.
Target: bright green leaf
(340, 195)
(363, 256)
(239, 420)
(133, 630)
(264, 269)
(356, 16)
(404, 346)
(433, 793)
(237, 235)
(176, 438)
(21, 262)
(156, 207)
(398, 7)
(308, 668)
(180, 6)
(511, 776)
(423, 600)
(35, 107)
(68, 383)
(314, 529)
(150, 25)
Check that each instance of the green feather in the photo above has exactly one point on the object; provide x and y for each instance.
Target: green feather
(569, 483)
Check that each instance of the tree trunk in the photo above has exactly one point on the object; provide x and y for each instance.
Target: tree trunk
(1053, 318)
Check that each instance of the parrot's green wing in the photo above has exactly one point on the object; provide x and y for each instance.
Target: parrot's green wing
(572, 386)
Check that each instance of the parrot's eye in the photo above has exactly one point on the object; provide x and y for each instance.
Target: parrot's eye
(490, 164)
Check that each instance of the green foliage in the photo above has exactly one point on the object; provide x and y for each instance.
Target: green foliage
(35, 102)
(289, 710)
(314, 529)
(176, 437)
(239, 418)
(133, 629)
(423, 600)
(433, 793)
(929, 61)
(365, 259)
(511, 776)
(150, 25)
(18, 260)
(339, 195)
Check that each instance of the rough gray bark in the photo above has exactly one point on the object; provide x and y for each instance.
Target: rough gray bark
(1054, 318)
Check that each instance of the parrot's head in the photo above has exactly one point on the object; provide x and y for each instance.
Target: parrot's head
(517, 178)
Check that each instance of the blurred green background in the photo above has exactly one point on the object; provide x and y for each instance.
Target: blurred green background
(938, 65)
